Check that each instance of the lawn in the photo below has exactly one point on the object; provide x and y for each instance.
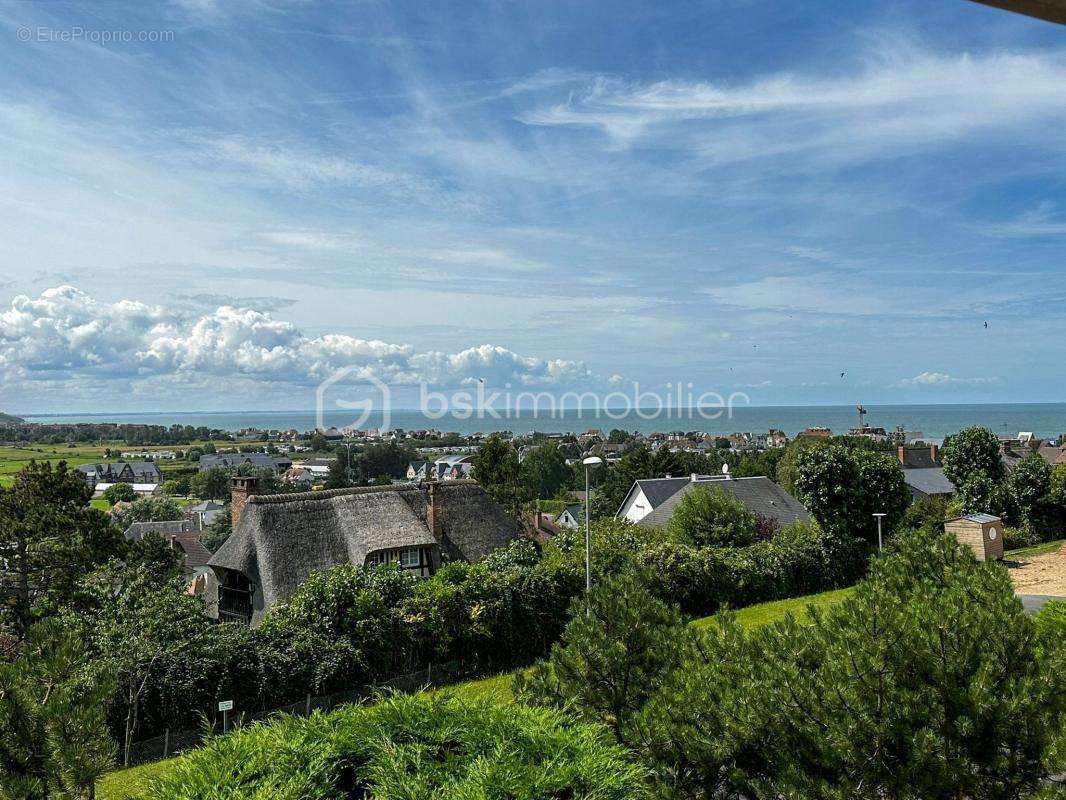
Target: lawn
(124, 784)
(765, 613)
(12, 459)
(1035, 550)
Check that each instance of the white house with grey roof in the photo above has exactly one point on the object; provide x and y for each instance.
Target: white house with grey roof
(651, 502)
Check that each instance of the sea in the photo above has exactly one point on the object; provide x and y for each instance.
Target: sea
(932, 422)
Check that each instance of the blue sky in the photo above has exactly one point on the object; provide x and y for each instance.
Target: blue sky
(746, 195)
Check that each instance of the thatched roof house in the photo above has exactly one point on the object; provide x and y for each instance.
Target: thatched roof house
(279, 540)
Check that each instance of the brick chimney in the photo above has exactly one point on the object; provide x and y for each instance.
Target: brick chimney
(902, 452)
(433, 510)
(241, 488)
(934, 452)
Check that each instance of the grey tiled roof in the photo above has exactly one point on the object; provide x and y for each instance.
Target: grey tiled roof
(759, 495)
(276, 463)
(658, 490)
(166, 528)
(930, 480)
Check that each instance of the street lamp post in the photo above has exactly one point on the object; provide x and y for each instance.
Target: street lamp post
(879, 516)
(591, 461)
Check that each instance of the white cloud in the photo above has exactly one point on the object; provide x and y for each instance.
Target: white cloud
(941, 379)
(901, 96)
(67, 334)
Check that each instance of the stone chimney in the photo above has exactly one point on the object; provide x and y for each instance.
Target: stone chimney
(241, 488)
(433, 510)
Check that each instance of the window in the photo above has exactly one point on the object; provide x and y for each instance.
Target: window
(409, 558)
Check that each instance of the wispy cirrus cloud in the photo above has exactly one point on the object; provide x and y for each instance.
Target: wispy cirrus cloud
(900, 96)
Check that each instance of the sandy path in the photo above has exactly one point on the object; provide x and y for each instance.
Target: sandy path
(1044, 574)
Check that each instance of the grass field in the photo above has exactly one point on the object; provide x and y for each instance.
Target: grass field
(125, 784)
(12, 459)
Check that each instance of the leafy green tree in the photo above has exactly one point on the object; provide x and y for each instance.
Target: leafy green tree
(882, 489)
(544, 472)
(928, 682)
(389, 459)
(54, 741)
(49, 540)
(927, 513)
(1030, 485)
(147, 509)
(787, 463)
(211, 484)
(980, 493)
(152, 639)
(177, 487)
(611, 659)
(345, 624)
(970, 451)
(343, 471)
(119, 492)
(218, 531)
(710, 517)
(496, 468)
(843, 488)
(826, 482)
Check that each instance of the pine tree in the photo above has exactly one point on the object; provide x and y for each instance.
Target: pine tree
(53, 727)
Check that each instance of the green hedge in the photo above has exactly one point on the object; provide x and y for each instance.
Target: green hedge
(413, 747)
(799, 560)
(349, 626)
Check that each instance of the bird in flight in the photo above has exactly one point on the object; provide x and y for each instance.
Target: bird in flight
(842, 374)
(986, 324)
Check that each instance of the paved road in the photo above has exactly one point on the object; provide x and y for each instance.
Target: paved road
(1034, 602)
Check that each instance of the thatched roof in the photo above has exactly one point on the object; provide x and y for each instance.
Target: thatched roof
(281, 539)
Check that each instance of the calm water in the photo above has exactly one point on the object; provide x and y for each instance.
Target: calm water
(934, 421)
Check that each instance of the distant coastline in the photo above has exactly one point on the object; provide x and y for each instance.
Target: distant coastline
(934, 420)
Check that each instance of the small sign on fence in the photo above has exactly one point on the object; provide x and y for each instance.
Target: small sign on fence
(225, 705)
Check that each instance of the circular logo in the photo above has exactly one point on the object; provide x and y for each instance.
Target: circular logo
(24, 34)
(992, 533)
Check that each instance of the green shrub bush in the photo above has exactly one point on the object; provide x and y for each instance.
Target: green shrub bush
(412, 747)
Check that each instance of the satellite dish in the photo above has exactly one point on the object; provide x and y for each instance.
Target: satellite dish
(992, 533)
(725, 469)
